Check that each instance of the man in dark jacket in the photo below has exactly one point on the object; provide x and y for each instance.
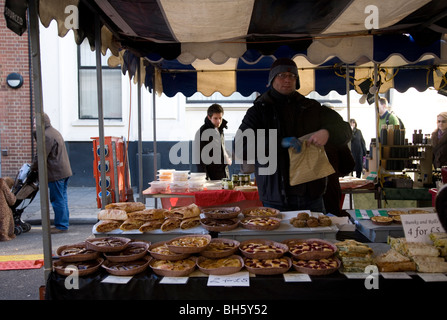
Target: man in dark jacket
(285, 112)
(214, 159)
(58, 171)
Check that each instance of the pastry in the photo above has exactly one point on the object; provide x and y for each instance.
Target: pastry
(220, 263)
(418, 211)
(131, 224)
(189, 211)
(320, 264)
(126, 206)
(260, 212)
(112, 214)
(151, 225)
(304, 247)
(393, 261)
(148, 214)
(108, 225)
(298, 223)
(396, 212)
(260, 222)
(178, 265)
(170, 224)
(302, 215)
(190, 241)
(312, 222)
(190, 223)
(381, 220)
(266, 263)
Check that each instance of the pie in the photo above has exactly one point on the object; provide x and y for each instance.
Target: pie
(260, 212)
(261, 247)
(163, 249)
(320, 264)
(151, 225)
(418, 211)
(260, 222)
(381, 220)
(396, 212)
(178, 265)
(266, 263)
(190, 242)
(305, 247)
(220, 263)
(220, 246)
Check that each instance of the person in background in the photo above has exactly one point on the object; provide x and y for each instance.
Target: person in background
(386, 117)
(439, 141)
(283, 110)
(215, 170)
(58, 171)
(7, 199)
(358, 148)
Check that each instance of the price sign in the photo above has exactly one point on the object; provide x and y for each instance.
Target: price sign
(239, 279)
(417, 227)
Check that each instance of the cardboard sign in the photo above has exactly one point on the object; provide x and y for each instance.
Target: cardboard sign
(417, 227)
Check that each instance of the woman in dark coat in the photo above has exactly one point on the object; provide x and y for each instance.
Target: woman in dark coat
(439, 141)
(358, 148)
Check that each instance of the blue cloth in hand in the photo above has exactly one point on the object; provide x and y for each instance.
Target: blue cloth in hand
(291, 142)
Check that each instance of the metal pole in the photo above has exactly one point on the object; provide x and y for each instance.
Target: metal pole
(40, 137)
(155, 129)
(376, 104)
(140, 143)
(348, 98)
(100, 111)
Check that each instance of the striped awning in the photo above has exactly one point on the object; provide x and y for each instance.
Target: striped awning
(228, 45)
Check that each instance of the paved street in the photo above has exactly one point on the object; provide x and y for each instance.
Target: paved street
(25, 284)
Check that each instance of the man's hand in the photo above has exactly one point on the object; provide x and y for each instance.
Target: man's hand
(319, 138)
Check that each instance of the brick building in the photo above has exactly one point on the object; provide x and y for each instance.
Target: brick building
(15, 104)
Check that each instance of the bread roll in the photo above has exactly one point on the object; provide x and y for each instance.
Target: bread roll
(112, 214)
(108, 225)
(127, 206)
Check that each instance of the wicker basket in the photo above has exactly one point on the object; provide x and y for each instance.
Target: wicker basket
(221, 270)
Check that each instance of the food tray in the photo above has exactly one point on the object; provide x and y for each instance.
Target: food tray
(174, 273)
(263, 212)
(315, 272)
(94, 244)
(129, 254)
(221, 212)
(246, 225)
(137, 266)
(92, 265)
(268, 271)
(220, 270)
(382, 221)
(232, 224)
(188, 249)
(172, 257)
(220, 253)
(282, 248)
(85, 255)
(313, 254)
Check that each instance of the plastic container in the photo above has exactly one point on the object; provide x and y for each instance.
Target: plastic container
(165, 174)
(159, 186)
(194, 186)
(179, 186)
(214, 185)
(197, 176)
(180, 176)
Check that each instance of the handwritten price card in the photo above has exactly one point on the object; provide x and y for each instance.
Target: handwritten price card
(417, 227)
(238, 279)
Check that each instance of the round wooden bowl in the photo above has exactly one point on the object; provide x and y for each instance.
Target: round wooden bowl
(218, 225)
(267, 270)
(107, 244)
(260, 223)
(315, 248)
(277, 251)
(128, 268)
(172, 256)
(165, 272)
(186, 244)
(83, 254)
(220, 248)
(221, 212)
(220, 270)
(134, 251)
(315, 272)
(82, 268)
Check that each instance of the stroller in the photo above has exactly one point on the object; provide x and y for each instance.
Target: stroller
(26, 186)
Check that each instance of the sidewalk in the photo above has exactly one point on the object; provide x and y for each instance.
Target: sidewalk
(81, 203)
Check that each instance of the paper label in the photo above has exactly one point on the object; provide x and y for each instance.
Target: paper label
(238, 279)
(417, 227)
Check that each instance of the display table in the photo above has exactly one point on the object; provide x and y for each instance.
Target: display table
(285, 231)
(207, 198)
(421, 195)
(147, 286)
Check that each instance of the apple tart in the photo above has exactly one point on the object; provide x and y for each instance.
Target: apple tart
(160, 250)
(221, 266)
(169, 268)
(220, 247)
(189, 244)
(261, 212)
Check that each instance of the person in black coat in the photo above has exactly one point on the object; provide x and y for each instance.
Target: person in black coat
(279, 113)
(358, 148)
(214, 160)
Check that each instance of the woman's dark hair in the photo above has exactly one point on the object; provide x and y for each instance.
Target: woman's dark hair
(355, 122)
